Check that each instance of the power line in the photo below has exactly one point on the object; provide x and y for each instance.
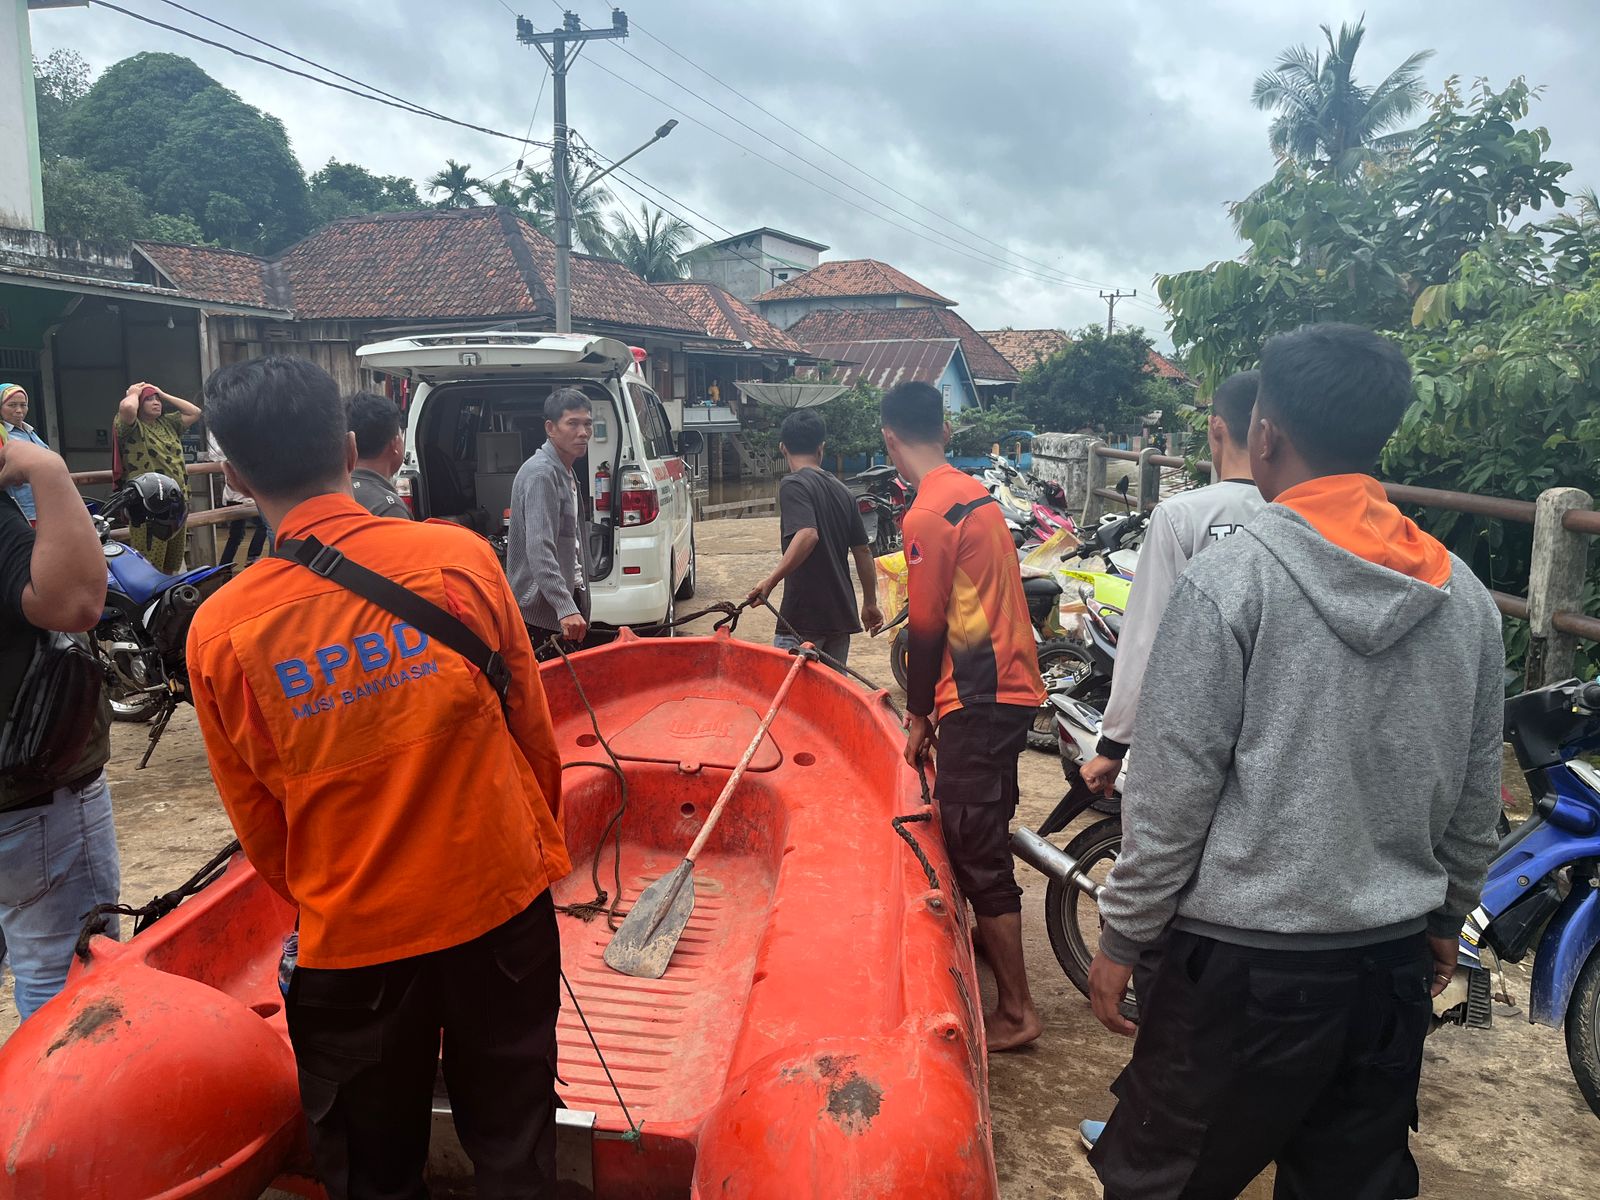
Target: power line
(836, 155)
(538, 100)
(298, 58)
(404, 106)
(947, 245)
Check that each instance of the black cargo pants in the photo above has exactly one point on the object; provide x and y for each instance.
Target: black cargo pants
(368, 1045)
(1246, 1057)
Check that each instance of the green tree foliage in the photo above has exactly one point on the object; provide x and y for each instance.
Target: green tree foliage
(459, 187)
(59, 82)
(1325, 119)
(855, 422)
(975, 431)
(653, 248)
(536, 191)
(80, 202)
(342, 189)
(193, 149)
(228, 166)
(1499, 314)
(1098, 383)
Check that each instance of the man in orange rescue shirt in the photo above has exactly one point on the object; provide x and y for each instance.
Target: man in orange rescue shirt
(973, 684)
(376, 783)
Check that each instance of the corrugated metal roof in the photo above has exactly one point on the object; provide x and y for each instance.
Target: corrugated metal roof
(887, 363)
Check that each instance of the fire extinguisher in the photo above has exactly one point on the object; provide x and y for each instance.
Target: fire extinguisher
(602, 488)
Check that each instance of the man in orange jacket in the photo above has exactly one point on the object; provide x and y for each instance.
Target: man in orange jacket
(378, 784)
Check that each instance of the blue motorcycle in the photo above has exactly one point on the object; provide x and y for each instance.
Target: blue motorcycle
(1543, 888)
(141, 635)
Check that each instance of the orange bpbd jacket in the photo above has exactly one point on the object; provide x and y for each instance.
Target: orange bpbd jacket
(368, 771)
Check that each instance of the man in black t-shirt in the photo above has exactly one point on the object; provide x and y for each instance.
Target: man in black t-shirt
(821, 530)
(58, 847)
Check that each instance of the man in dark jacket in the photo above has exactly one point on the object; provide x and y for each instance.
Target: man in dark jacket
(380, 449)
(58, 847)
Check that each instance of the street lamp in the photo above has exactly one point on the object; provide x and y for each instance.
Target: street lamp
(660, 133)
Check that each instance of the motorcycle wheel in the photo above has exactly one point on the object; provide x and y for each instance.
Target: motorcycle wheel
(1063, 664)
(900, 658)
(1583, 1032)
(1071, 915)
(126, 705)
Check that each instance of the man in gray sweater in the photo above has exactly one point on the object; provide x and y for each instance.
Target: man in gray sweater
(1311, 812)
(547, 550)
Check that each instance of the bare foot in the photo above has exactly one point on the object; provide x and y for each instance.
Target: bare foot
(1004, 1033)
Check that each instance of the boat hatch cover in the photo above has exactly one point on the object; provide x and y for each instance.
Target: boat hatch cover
(697, 732)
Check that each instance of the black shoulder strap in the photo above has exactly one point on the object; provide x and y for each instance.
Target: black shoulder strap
(417, 611)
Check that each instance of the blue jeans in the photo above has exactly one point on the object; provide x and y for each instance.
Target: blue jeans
(57, 862)
(835, 645)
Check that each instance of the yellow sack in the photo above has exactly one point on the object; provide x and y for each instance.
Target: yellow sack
(1045, 558)
(892, 571)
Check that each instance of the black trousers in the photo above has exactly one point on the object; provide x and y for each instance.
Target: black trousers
(976, 785)
(368, 1045)
(1244, 1057)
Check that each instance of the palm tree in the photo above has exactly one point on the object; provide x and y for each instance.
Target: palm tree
(457, 184)
(1328, 120)
(656, 253)
(537, 189)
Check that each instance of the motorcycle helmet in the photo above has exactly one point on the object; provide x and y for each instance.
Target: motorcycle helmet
(156, 502)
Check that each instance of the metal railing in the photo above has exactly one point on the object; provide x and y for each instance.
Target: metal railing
(1563, 520)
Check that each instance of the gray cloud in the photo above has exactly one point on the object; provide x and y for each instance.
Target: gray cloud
(1097, 141)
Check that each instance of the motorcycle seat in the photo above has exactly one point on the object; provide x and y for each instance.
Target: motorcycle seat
(1040, 586)
(1113, 622)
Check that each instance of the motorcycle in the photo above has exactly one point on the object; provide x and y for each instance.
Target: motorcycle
(140, 638)
(1078, 870)
(1543, 887)
(882, 503)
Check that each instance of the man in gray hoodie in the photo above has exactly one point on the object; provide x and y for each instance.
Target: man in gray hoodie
(547, 550)
(1311, 812)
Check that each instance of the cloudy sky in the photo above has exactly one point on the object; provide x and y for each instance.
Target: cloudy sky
(1040, 151)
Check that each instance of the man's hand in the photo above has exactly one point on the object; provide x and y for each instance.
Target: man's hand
(871, 618)
(1444, 952)
(759, 593)
(25, 462)
(1100, 773)
(921, 740)
(574, 628)
(1108, 983)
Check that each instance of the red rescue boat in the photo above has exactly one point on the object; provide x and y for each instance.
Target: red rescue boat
(816, 1034)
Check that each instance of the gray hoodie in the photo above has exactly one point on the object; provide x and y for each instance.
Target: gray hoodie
(1319, 751)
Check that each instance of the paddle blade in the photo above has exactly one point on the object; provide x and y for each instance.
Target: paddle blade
(644, 942)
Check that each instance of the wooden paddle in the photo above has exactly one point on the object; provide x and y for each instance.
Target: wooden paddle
(644, 942)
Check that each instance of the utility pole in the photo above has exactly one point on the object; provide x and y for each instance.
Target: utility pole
(1111, 299)
(571, 30)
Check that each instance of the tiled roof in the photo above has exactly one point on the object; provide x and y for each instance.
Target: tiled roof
(447, 263)
(211, 273)
(1166, 369)
(1024, 347)
(887, 363)
(865, 324)
(726, 316)
(427, 265)
(852, 277)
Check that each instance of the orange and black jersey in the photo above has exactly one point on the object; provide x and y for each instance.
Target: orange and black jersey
(971, 640)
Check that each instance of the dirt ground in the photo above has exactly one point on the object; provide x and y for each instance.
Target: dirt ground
(1501, 1118)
